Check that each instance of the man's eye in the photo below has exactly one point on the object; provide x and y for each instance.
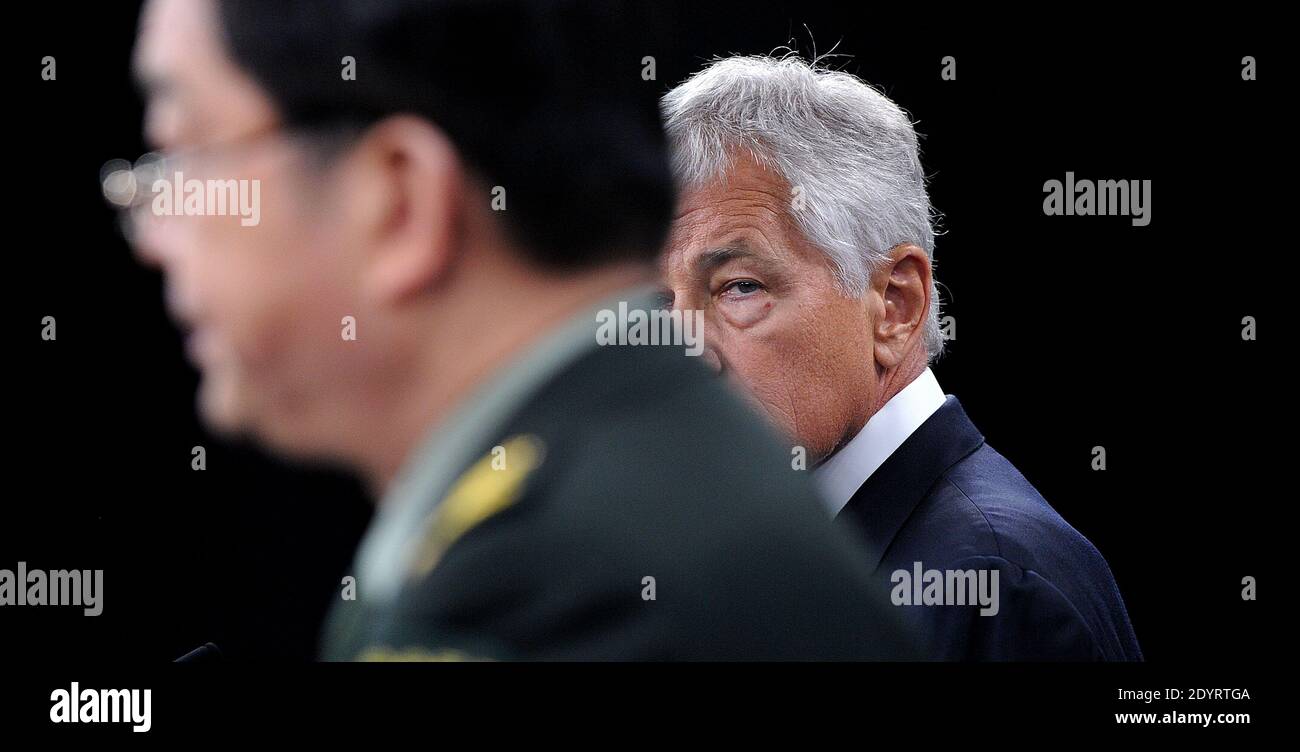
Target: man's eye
(744, 287)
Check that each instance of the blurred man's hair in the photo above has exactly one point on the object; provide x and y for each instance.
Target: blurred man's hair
(542, 97)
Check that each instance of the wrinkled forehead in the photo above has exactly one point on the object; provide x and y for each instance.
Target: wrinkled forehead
(746, 209)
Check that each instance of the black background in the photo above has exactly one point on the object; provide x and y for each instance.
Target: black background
(1072, 332)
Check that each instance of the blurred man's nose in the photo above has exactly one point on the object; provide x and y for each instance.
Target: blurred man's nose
(151, 241)
(129, 189)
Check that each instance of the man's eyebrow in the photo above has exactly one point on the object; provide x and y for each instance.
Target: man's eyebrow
(713, 258)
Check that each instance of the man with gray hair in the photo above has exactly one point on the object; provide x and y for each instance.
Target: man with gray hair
(804, 233)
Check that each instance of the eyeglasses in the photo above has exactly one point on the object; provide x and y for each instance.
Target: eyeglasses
(131, 187)
(126, 184)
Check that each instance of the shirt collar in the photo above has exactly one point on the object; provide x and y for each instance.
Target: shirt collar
(840, 476)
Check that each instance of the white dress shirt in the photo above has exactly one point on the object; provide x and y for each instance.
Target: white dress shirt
(844, 473)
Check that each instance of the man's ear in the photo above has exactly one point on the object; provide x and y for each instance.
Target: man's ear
(406, 182)
(904, 286)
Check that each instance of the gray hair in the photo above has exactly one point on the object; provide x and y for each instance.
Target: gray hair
(849, 151)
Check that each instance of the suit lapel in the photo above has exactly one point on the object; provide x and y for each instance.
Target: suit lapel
(884, 502)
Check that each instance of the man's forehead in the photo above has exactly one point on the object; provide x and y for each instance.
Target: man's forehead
(735, 190)
(732, 221)
(717, 220)
(710, 220)
(174, 35)
(195, 90)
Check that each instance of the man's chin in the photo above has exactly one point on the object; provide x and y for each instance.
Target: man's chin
(228, 414)
(217, 410)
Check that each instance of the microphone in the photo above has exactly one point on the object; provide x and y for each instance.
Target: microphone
(205, 653)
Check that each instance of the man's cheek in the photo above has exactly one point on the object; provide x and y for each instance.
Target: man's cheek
(773, 393)
(249, 327)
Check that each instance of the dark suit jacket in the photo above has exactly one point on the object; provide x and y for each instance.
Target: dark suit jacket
(651, 469)
(946, 499)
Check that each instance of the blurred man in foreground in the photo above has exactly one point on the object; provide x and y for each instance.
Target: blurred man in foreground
(804, 233)
(440, 238)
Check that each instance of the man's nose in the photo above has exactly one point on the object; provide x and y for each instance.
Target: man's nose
(709, 356)
(151, 242)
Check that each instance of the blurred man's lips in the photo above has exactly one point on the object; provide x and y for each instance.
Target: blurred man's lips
(182, 314)
(196, 345)
(192, 347)
(187, 323)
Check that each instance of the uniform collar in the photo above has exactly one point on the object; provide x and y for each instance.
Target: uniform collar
(454, 444)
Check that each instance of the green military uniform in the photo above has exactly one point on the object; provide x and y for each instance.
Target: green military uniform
(610, 502)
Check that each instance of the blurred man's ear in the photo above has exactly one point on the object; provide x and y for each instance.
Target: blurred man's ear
(404, 185)
(904, 286)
